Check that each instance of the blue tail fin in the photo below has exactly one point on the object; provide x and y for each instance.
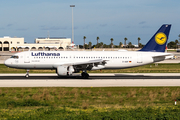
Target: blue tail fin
(158, 42)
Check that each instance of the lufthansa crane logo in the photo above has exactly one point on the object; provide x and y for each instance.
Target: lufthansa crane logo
(160, 38)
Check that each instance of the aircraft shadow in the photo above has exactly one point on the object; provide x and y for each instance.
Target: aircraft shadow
(90, 77)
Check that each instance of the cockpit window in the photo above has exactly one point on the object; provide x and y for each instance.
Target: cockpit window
(15, 57)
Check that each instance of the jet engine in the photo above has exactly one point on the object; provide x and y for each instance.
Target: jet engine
(65, 70)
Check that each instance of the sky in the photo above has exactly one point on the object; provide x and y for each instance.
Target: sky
(105, 19)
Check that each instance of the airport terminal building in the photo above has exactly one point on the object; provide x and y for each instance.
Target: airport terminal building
(17, 44)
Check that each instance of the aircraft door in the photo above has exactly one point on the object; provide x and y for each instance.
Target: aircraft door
(27, 57)
(139, 58)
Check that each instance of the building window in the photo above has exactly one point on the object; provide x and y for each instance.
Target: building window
(18, 42)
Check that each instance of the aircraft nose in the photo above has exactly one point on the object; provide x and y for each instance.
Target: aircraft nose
(7, 62)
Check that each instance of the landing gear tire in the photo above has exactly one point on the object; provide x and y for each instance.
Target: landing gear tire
(27, 75)
(85, 75)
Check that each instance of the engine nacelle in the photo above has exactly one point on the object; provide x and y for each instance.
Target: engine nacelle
(65, 70)
(62, 70)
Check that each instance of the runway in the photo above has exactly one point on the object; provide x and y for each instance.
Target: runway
(95, 80)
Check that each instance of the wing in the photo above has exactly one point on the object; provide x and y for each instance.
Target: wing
(82, 65)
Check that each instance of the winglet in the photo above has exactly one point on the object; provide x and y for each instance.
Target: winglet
(158, 42)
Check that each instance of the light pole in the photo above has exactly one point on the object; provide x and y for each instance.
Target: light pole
(72, 25)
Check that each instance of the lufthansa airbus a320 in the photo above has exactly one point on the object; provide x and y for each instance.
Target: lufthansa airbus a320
(68, 62)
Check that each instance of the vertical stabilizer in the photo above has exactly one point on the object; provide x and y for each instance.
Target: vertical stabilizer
(158, 42)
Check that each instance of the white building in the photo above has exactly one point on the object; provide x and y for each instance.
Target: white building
(17, 44)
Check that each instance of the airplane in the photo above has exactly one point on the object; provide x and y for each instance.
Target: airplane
(68, 62)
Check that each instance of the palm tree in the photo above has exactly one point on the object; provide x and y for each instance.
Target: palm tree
(84, 41)
(176, 41)
(138, 40)
(125, 39)
(129, 45)
(112, 42)
(97, 40)
(120, 44)
(90, 44)
(101, 44)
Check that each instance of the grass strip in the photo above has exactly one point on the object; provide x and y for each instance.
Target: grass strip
(52, 113)
(90, 103)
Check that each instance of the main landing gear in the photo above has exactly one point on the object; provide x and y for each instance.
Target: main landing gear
(27, 73)
(85, 75)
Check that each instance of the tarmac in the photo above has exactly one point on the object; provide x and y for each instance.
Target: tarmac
(95, 80)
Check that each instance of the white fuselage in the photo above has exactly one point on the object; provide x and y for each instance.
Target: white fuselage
(51, 59)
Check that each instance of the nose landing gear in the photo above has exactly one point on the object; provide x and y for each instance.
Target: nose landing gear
(27, 73)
